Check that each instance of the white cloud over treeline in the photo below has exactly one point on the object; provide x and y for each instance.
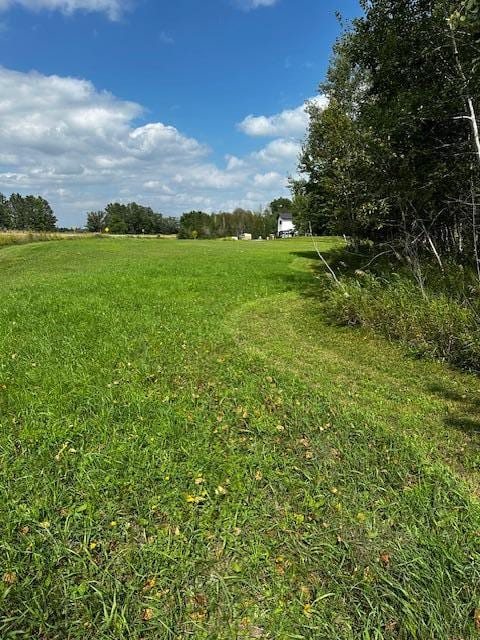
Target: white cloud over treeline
(79, 147)
(291, 122)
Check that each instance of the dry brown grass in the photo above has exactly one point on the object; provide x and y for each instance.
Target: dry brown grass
(8, 238)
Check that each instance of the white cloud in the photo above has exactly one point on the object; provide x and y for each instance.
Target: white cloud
(166, 38)
(247, 5)
(288, 123)
(113, 8)
(80, 148)
(233, 162)
(268, 180)
(279, 151)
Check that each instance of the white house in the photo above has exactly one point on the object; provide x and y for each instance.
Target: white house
(286, 228)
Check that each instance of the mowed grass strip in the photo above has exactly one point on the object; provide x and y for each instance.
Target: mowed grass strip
(170, 469)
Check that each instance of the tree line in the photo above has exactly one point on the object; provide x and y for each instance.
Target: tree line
(198, 224)
(134, 218)
(26, 213)
(130, 218)
(395, 156)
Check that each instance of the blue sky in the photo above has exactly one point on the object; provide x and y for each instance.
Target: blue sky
(178, 105)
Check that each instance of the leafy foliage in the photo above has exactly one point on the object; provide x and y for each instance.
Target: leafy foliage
(5, 215)
(198, 224)
(281, 205)
(130, 218)
(439, 322)
(96, 221)
(391, 157)
(26, 213)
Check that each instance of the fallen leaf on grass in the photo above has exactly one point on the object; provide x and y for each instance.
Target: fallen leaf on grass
(147, 614)
(149, 585)
(306, 593)
(9, 578)
(248, 630)
(200, 600)
(476, 619)
(195, 499)
(385, 559)
(198, 616)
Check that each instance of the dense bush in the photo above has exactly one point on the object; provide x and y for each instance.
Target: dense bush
(442, 321)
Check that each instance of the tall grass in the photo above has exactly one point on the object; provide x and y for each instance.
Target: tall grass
(8, 238)
(440, 321)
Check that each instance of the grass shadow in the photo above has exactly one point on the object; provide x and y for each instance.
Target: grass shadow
(460, 401)
(466, 416)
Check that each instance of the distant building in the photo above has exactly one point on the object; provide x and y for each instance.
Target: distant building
(285, 228)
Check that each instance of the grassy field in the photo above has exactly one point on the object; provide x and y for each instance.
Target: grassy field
(189, 451)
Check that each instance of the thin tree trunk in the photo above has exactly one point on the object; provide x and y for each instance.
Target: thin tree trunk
(474, 225)
(468, 99)
(472, 117)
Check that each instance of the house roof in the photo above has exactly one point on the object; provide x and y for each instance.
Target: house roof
(285, 216)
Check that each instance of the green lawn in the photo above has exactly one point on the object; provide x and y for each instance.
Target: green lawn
(188, 451)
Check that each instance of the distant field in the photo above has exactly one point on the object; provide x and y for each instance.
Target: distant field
(189, 451)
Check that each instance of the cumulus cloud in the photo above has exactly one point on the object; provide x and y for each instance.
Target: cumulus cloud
(288, 123)
(279, 151)
(269, 179)
(80, 148)
(113, 8)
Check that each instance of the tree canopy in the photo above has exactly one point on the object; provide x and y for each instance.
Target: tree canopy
(198, 224)
(391, 157)
(26, 213)
(130, 218)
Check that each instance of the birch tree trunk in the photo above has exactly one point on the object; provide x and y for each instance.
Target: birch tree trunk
(472, 117)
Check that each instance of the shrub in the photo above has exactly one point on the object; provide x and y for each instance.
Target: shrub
(441, 322)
